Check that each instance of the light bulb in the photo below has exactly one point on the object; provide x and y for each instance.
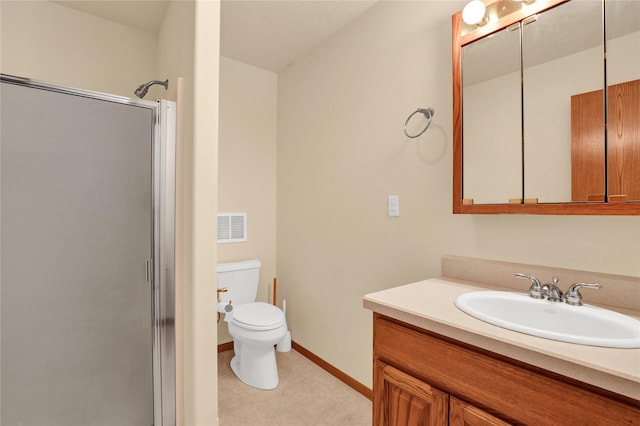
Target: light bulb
(473, 12)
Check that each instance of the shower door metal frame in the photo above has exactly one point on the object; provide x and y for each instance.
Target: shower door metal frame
(161, 268)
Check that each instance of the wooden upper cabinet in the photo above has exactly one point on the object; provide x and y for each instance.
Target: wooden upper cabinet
(587, 147)
(623, 141)
(403, 400)
(622, 162)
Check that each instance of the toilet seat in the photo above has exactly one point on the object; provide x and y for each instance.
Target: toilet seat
(258, 316)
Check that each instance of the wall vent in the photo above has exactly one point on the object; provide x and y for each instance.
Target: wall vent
(232, 227)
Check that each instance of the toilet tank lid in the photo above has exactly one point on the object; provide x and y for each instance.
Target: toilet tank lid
(239, 266)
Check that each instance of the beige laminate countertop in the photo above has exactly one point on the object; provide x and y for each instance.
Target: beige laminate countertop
(430, 305)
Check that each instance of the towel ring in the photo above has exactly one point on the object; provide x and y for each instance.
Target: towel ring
(428, 113)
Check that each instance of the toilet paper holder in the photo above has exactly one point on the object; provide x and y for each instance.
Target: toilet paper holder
(221, 290)
(224, 308)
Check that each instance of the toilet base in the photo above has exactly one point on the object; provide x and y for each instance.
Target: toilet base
(255, 365)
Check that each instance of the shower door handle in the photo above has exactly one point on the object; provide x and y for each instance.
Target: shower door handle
(147, 270)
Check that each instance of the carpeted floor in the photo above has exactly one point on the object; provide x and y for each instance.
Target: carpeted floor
(306, 396)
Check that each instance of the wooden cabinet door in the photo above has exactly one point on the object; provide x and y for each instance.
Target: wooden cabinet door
(403, 400)
(463, 414)
(623, 141)
(623, 144)
(587, 147)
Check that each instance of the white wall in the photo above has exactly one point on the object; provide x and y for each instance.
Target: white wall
(247, 167)
(341, 152)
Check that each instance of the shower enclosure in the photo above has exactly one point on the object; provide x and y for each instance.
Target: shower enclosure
(86, 257)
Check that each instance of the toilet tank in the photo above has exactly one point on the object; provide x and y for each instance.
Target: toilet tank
(241, 280)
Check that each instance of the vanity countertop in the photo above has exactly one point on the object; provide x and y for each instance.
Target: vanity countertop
(430, 305)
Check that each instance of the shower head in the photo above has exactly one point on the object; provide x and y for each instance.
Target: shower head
(142, 90)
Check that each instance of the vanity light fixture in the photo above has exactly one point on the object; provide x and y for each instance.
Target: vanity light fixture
(474, 13)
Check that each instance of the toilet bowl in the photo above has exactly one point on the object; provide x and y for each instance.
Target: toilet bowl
(255, 326)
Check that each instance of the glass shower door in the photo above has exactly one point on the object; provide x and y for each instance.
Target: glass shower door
(75, 243)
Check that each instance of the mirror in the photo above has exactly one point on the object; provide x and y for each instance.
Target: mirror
(623, 79)
(562, 55)
(529, 109)
(492, 143)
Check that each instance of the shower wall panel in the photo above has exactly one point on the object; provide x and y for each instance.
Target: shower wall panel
(76, 231)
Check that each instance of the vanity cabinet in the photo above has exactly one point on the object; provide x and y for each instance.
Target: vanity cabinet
(422, 378)
(405, 400)
(463, 414)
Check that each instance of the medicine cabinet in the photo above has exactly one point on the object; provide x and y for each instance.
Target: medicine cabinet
(535, 131)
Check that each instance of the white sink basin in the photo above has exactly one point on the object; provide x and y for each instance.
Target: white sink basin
(585, 325)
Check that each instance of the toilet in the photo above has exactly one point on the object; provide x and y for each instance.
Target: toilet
(255, 326)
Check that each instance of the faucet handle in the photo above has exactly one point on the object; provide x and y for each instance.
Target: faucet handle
(535, 291)
(573, 296)
(553, 292)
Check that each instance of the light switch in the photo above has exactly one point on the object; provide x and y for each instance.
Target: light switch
(394, 205)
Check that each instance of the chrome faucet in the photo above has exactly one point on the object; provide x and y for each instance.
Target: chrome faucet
(535, 290)
(552, 291)
(573, 296)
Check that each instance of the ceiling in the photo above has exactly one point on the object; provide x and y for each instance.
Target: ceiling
(269, 34)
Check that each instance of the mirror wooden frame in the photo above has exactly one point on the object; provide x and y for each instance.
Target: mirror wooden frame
(574, 208)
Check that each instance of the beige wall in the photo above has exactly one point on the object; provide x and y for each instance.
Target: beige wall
(52, 43)
(341, 152)
(247, 167)
(193, 55)
(175, 58)
(45, 41)
(201, 386)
